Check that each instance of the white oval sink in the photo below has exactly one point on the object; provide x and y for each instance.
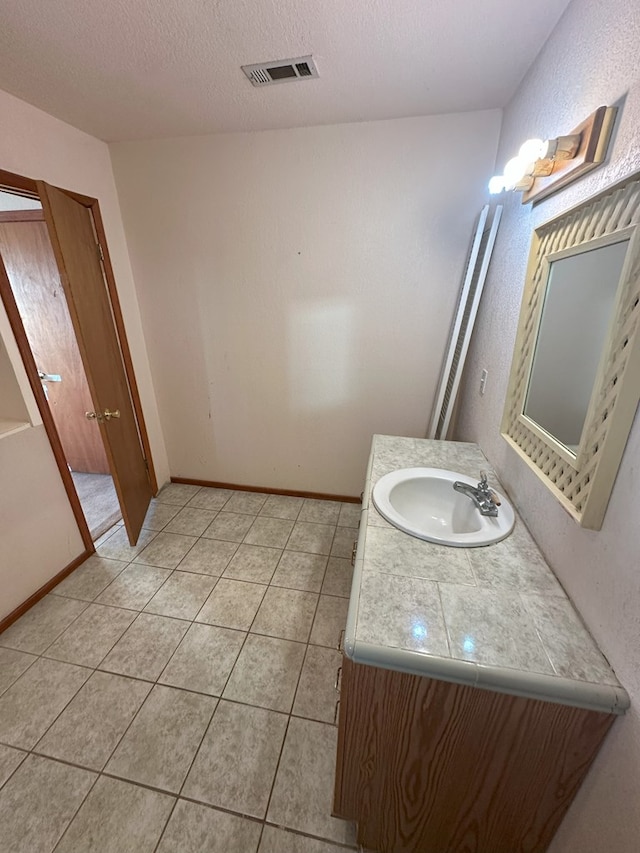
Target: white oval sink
(423, 503)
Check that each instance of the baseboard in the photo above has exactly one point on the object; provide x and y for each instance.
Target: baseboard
(21, 609)
(319, 496)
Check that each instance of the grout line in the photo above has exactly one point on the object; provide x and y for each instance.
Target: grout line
(75, 814)
(302, 834)
(166, 824)
(293, 700)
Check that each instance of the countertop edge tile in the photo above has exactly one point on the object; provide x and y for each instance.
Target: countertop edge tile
(605, 698)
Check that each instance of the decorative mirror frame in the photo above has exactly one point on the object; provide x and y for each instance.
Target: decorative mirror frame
(583, 483)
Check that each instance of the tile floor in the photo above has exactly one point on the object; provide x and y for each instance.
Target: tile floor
(178, 696)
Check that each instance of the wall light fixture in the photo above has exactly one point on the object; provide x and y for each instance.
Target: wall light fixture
(542, 167)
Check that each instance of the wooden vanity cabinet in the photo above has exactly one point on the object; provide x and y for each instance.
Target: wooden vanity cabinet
(426, 766)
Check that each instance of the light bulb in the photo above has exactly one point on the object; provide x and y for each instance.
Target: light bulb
(532, 150)
(514, 172)
(496, 184)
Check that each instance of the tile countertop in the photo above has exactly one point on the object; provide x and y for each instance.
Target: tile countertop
(494, 617)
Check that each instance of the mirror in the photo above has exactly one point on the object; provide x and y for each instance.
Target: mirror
(575, 318)
(575, 377)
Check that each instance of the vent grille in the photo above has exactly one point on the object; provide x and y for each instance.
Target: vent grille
(281, 71)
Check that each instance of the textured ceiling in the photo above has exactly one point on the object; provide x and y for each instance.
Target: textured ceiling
(127, 69)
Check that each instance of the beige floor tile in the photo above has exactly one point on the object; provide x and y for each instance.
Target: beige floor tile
(208, 557)
(286, 613)
(349, 515)
(303, 792)
(159, 515)
(195, 829)
(33, 702)
(90, 579)
(146, 647)
(311, 538)
(102, 539)
(273, 532)
(330, 621)
(246, 502)
(275, 840)
(134, 587)
(177, 494)
(117, 546)
(117, 817)
(266, 673)
(89, 728)
(190, 521)
(229, 526)
(254, 563)
(92, 636)
(236, 764)
(282, 506)
(10, 760)
(297, 570)
(38, 802)
(338, 577)
(204, 659)
(316, 695)
(166, 550)
(210, 498)
(344, 542)
(42, 624)
(321, 512)
(232, 604)
(162, 741)
(182, 595)
(12, 664)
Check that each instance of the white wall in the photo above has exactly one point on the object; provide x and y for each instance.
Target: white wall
(38, 533)
(591, 59)
(296, 288)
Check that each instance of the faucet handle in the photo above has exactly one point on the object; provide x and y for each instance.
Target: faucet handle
(483, 486)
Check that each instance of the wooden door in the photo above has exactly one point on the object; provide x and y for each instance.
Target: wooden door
(31, 268)
(77, 254)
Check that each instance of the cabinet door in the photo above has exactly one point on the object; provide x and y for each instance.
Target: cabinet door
(342, 807)
(431, 766)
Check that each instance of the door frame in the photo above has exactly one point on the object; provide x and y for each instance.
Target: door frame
(20, 185)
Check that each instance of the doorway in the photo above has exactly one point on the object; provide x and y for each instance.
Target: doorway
(58, 289)
(31, 268)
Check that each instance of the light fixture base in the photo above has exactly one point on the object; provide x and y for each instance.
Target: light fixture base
(594, 134)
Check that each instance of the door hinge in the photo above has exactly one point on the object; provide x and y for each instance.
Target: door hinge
(100, 252)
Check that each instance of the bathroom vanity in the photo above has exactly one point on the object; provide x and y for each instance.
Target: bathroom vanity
(472, 698)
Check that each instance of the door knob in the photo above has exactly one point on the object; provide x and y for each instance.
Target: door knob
(49, 377)
(99, 416)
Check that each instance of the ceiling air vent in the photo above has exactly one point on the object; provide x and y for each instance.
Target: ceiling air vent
(281, 71)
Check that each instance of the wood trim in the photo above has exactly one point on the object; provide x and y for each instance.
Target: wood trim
(21, 609)
(319, 496)
(11, 181)
(29, 187)
(124, 344)
(21, 216)
(15, 321)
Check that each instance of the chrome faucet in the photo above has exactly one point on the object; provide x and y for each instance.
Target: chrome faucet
(483, 497)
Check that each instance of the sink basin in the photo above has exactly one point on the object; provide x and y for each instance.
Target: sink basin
(423, 503)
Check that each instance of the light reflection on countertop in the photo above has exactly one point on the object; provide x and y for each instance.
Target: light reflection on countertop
(495, 617)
